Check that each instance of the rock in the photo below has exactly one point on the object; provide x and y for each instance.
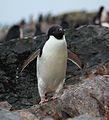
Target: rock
(89, 97)
(102, 70)
(47, 118)
(7, 115)
(90, 43)
(26, 115)
(85, 117)
(50, 109)
(5, 105)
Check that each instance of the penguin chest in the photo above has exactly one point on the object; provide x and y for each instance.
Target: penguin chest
(51, 67)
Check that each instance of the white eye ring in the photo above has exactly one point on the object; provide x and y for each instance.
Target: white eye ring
(60, 29)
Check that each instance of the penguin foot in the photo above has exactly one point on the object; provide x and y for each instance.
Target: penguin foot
(55, 97)
(43, 100)
(65, 87)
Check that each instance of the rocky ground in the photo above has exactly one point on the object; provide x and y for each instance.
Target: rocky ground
(87, 94)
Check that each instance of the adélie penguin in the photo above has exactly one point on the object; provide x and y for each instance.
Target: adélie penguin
(52, 62)
(102, 18)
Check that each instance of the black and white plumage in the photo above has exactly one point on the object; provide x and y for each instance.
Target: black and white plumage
(102, 18)
(14, 32)
(52, 62)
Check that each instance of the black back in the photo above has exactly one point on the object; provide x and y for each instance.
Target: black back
(97, 18)
(13, 33)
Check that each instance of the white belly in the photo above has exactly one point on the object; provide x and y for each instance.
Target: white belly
(104, 24)
(51, 66)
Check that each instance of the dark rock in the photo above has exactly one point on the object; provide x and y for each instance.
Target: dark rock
(91, 44)
(14, 87)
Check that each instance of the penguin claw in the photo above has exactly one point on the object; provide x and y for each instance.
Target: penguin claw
(55, 97)
(43, 101)
(65, 87)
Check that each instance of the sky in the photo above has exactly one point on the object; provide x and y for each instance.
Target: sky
(12, 11)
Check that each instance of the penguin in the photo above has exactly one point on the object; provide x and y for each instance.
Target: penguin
(52, 62)
(15, 31)
(64, 22)
(102, 18)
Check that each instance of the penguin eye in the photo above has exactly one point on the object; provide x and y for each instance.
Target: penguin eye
(60, 29)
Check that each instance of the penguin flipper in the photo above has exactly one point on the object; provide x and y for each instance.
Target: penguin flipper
(30, 58)
(75, 59)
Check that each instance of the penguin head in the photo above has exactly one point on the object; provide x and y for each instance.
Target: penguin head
(100, 11)
(56, 31)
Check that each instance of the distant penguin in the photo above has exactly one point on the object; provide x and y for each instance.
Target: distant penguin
(52, 62)
(16, 31)
(102, 18)
(38, 29)
(32, 23)
(64, 22)
(13, 33)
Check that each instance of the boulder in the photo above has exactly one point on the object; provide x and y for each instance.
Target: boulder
(88, 99)
(91, 97)
(7, 115)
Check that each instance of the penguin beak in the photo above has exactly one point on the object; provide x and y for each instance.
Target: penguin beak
(61, 31)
